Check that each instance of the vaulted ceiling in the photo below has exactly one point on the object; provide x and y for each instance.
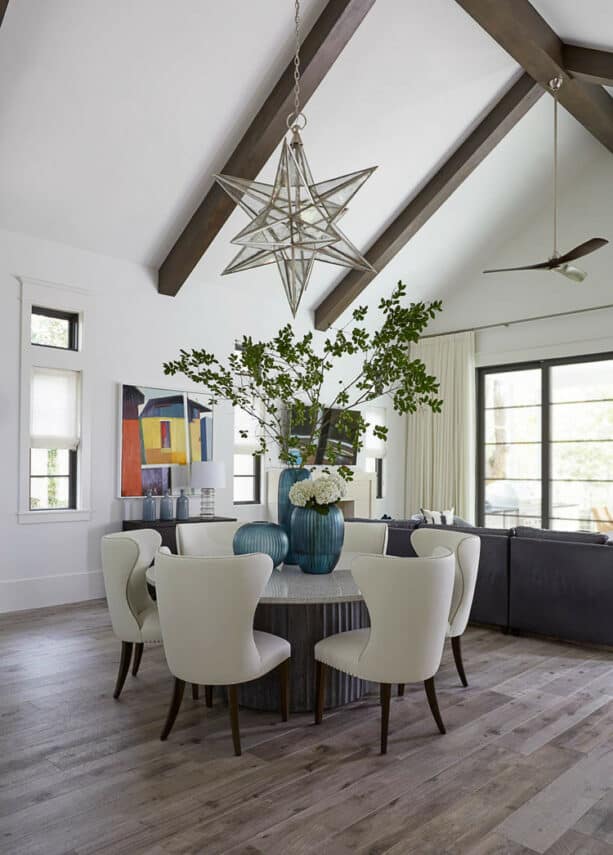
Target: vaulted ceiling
(115, 117)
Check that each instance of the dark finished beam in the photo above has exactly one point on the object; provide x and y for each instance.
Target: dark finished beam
(591, 66)
(528, 38)
(486, 136)
(3, 7)
(320, 49)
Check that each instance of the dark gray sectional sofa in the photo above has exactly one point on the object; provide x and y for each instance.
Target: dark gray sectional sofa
(552, 583)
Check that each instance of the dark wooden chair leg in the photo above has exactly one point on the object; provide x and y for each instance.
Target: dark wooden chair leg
(175, 703)
(283, 671)
(400, 689)
(236, 735)
(124, 667)
(208, 696)
(386, 694)
(195, 691)
(320, 690)
(138, 655)
(431, 695)
(457, 655)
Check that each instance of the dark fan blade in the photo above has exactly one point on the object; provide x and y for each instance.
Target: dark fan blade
(579, 251)
(544, 265)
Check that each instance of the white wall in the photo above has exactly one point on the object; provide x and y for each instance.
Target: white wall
(136, 329)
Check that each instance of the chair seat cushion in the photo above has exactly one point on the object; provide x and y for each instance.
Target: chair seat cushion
(343, 651)
(273, 651)
(149, 621)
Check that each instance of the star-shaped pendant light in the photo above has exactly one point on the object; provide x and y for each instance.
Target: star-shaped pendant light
(294, 222)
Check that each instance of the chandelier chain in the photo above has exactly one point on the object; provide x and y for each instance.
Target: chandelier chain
(297, 61)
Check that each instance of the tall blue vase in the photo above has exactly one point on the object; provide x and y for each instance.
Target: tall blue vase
(286, 481)
(317, 540)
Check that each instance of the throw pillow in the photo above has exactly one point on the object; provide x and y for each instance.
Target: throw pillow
(438, 517)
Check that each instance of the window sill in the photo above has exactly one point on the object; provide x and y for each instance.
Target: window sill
(34, 517)
(242, 504)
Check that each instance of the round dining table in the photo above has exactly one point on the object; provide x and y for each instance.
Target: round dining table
(304, 608)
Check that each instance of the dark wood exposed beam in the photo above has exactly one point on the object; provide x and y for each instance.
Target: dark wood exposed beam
(528, 38)
(486, 136)
(320, 49)
(3, 7)
(589, 65)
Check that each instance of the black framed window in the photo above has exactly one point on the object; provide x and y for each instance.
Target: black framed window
(545, 444)
(247, 479)
(53, 328)
(53, 479)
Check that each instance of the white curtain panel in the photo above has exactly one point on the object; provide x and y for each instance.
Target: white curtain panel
(441, 446)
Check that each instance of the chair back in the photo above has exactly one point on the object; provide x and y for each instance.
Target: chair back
(206, 608)
(408, 600)
(466, 548)
(212, 539)
(125, 558)
(365, 537)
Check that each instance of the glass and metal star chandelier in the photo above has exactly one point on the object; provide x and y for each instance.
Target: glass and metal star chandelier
(294, 222)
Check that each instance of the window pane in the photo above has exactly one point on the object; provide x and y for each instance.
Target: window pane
(582, 381)
(582, 461)
(575, 525)
(513, 388)
(244, 464)
(49, 461)
(592, 420)
(244, 489)
(505, 424)
(49, 493)
(513, 498)
(509, 520)
(52, 331)
(513, 461)
(582, 500)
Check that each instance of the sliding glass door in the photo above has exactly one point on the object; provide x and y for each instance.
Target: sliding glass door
(545, 455)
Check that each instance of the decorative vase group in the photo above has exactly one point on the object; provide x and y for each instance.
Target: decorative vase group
(317, 539)
(266, 537)
(287, 479)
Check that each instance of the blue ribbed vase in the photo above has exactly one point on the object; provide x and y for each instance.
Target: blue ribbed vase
(266, 537)
(287, 479)
(317, 540)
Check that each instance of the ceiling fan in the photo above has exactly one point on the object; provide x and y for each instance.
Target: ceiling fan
(559, 263)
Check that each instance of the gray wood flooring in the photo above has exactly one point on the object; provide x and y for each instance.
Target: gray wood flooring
(526, 765)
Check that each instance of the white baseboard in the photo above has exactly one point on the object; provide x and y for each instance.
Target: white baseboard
(40, 591)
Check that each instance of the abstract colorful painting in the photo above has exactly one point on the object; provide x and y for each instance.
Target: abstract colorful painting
(162, 432)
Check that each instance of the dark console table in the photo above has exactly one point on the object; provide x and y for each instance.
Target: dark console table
(167, 528)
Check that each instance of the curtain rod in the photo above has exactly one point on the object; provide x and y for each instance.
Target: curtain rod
(520, 321)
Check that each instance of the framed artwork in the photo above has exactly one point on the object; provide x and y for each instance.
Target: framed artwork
(161, 433)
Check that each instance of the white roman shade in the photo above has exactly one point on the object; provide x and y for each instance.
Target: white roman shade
(245, 422)
(373, 445)
(54, 409)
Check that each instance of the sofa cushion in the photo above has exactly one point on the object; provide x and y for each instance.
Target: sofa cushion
(569, 536)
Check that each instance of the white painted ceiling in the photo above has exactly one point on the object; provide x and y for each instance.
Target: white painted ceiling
(115, 116)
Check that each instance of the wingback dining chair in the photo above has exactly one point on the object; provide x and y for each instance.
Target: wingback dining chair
(408, 600)
(134, 615)
(206, 609)
(365, 537)
(212, 539)
(466, 549)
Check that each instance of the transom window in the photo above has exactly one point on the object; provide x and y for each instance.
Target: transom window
(52, 328)
(545, 455)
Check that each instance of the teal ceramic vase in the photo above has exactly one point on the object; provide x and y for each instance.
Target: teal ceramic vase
(182, 507)
(266, 537)
(287, 479)
(149, 509)
(167, 507)
(317, 540)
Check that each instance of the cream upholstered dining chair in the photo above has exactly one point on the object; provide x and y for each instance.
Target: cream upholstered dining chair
(209, 539)
(134, 616)
(206, 613)
(466, 548)
(365, 537)
(408, 600)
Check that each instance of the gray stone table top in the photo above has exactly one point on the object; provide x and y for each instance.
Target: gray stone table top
(290, 586)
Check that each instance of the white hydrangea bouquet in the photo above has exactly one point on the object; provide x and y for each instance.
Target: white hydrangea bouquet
(320, 493)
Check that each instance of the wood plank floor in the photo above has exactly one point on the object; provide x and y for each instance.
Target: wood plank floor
(526, 765)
